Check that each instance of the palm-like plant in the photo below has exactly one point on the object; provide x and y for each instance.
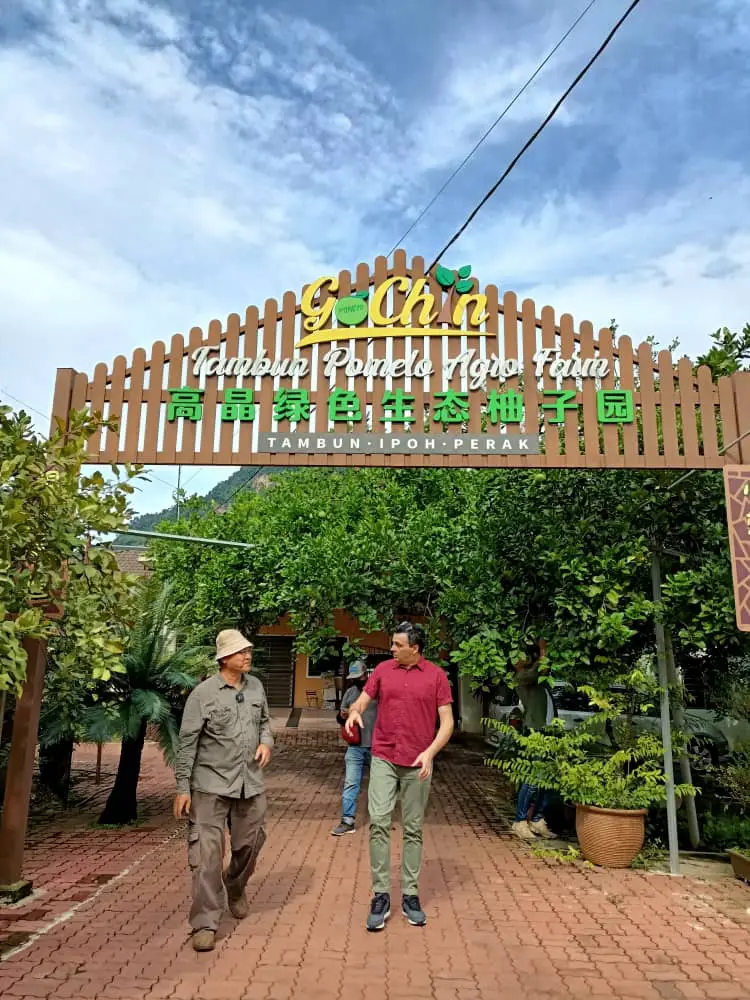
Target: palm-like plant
(159, 671)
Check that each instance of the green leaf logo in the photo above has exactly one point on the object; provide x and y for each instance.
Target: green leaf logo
(464, 285)
(445, 277)
(465, 271)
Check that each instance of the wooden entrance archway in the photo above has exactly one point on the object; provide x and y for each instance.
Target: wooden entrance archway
(519, 386)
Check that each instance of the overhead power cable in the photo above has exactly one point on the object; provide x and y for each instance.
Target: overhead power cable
(532, 139)
(493, 126)
(26, 406)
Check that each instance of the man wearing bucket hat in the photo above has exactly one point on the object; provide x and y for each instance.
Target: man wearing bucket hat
(358, 754)
(225, 742)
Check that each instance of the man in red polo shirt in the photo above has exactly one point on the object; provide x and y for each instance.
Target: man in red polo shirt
(412, 694)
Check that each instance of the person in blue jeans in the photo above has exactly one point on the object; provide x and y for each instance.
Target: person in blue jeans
(357, 757)
(538, 711)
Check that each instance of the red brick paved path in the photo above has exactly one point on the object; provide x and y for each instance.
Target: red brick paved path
(502, 924)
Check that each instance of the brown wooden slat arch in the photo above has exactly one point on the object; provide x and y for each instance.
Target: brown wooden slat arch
(683, 418)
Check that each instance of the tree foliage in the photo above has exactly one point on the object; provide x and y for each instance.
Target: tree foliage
(159, 669)
(494, 560)
(49, 512)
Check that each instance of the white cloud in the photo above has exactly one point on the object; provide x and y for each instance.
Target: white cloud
(679, 267)
(159, 170)
(143, 196)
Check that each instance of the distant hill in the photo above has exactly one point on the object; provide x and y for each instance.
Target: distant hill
(221, 494)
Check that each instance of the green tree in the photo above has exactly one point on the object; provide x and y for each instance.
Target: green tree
(91, 621)
(159, 669)
(496, 560)
(49, 513)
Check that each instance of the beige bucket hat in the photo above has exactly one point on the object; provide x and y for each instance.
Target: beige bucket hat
(229, 641)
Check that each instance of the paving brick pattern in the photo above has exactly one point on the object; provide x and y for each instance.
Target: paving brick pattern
(109, 921)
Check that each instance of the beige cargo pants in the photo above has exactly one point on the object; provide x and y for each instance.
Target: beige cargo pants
(388, 784)
(209, 816)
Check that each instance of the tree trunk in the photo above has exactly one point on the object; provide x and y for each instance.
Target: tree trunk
(55, 763)
(122, 805)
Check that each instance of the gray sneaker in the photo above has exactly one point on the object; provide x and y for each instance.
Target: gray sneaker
(413, 911)
(344, 827)
(380, 910)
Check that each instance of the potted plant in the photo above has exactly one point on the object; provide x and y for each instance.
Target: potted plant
(610, 787)
(733, 777)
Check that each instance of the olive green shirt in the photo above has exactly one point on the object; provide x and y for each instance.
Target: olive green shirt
(219, 737)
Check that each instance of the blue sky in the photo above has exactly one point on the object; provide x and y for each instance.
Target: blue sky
(166, 162)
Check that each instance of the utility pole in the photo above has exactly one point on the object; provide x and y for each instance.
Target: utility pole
(15, 816)
(666, 721)
(177, 494)
(675, 679)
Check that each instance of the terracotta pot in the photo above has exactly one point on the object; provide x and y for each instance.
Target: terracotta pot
(741, 865)
(610, 837)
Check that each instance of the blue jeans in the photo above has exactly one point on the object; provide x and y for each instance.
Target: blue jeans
(357, 758)
(528, 794)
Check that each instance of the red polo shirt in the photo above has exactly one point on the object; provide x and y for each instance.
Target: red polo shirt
(408, 700)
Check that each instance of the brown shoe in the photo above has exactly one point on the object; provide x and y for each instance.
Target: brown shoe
(239, 906)
(204, 940)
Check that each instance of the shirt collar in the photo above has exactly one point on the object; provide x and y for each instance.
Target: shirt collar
(420, 664)
(223, 684)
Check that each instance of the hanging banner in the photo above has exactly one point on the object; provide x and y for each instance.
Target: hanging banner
(737, 487)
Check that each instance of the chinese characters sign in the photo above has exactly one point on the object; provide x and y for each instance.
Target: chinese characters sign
(614, 406)
(737, 488)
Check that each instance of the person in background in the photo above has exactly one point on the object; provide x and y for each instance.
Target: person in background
(225, 743)
(357, 755)
(413, 694)
(538, 711)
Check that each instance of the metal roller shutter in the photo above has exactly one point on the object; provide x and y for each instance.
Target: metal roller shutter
(274, 661)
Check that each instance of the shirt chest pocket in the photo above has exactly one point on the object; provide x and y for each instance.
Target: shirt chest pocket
(254, 709)
(221, 721)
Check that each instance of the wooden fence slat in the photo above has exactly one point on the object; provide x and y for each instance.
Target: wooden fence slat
(572, 434)
(61, 401)
(668, 411)
(80, 391)
(305, 382)
(741, 387)
(421, 345)
(362, 282)
(116, 397)
(377, 350)
(135, 397)
(492, 346)
(647, 391)
(551, 430)
(510, 340)
(186, 454)
(288, 326)
(729, 432)
(96, 398)
(154, 406)
(245, 436)
(511, 351)
(631, 452)
(707, 398)
(610, 432)
(205, 451)
(231, 350)
(174, 381)
(691, 448)
(264, 395)
(534, 424)
(588, 393)
(398, 345)
(341, 380)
